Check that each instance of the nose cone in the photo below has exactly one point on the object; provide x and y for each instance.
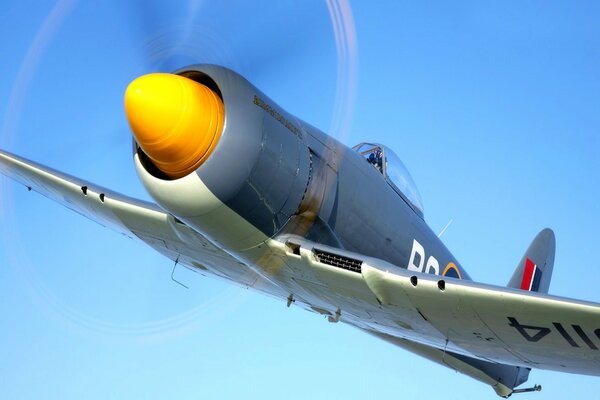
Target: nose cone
(176, 121)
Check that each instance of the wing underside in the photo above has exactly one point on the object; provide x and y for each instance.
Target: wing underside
(133, 218)
(498, 324)
(463, 319)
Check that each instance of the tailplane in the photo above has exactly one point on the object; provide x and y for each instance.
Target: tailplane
(535, 268)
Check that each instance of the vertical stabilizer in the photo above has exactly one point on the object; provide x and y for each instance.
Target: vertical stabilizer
(535, 268)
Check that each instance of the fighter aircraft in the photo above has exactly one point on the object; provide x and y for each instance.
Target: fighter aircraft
(248, 192)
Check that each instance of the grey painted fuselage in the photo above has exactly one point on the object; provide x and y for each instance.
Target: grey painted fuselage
(284, 176)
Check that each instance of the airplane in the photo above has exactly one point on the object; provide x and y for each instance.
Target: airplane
(247, 192)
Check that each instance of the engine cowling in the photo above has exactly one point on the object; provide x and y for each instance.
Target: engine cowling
(237, 173)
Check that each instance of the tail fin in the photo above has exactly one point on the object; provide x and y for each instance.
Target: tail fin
(535, 268)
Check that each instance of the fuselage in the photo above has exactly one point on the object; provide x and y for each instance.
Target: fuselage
(273, 176)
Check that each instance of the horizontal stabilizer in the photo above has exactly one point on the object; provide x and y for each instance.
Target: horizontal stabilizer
(535, 268)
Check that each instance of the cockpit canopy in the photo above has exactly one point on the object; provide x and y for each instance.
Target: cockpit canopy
(395, 173)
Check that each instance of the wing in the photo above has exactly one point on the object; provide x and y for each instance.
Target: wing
(481, 324)
(133, 218)
(498, 324)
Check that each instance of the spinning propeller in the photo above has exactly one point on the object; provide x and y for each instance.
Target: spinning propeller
(66, 110)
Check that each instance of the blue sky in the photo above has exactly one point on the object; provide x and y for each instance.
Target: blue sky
(492, 106)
